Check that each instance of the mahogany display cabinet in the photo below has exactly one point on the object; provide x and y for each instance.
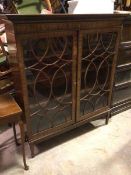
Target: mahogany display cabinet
(64, 69)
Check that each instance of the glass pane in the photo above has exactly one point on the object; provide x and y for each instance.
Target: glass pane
(97, 57)
(48, 64)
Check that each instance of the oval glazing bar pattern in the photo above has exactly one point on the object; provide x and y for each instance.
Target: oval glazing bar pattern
(95, 65)
(49, 64)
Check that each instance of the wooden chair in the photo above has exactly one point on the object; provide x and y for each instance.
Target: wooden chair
(55, 6)
(58, 6)
(10, 7)
(10, 112)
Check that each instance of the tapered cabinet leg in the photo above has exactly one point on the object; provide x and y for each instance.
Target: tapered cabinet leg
(32, 150)
(21, 124)
(107, 118)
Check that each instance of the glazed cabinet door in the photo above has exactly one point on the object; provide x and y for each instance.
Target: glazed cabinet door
(50, 71)
(96, 67)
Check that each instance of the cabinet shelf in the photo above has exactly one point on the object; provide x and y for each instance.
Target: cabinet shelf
(121, 102)
(123, 67)
(121, 106)
(125, 45)
(123, 85)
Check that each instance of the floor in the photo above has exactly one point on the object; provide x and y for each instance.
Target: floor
(94, 149)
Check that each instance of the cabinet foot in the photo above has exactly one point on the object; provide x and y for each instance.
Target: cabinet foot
(107, 118)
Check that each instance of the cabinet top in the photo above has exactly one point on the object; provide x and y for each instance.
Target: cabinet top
(63, 17)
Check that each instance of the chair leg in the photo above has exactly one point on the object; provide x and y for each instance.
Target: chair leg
(21, 124)
(14, 130)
